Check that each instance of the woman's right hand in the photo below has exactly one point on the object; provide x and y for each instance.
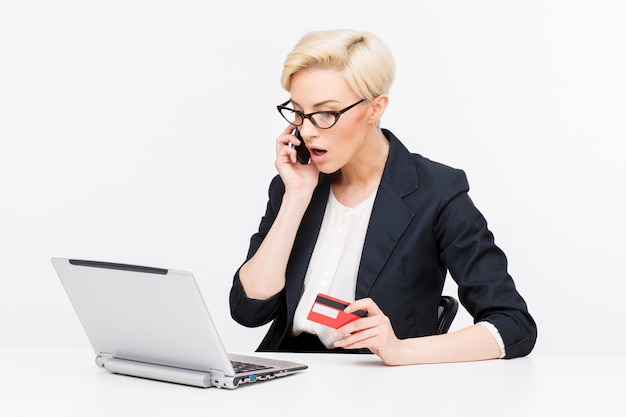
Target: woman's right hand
(297, 177)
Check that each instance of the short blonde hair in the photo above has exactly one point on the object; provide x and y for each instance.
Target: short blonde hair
(363, 59)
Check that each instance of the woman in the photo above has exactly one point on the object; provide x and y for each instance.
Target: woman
(369, 222)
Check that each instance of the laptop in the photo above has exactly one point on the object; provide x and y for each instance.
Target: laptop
(153, 323)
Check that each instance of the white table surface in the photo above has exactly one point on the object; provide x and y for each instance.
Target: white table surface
(36, 381)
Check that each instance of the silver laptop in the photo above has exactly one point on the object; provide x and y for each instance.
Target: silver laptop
(153, 323)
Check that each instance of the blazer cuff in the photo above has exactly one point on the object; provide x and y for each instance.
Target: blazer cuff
(251, 312)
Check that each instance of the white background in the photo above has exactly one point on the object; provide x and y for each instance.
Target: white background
(143, 132)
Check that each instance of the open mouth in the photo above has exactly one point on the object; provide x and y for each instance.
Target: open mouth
(317, 152)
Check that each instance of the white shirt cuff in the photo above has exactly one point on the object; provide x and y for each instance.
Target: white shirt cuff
(496, 335)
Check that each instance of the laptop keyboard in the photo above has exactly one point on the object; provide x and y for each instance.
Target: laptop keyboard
(248, 367)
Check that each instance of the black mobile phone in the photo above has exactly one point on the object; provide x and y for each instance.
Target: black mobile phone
(302, 153)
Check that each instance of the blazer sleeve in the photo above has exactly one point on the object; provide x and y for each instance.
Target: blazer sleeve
(479, 267)
(243, 309)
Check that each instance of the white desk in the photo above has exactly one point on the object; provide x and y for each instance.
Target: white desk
(43, 381)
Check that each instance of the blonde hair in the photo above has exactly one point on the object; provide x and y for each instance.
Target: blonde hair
(363, 59)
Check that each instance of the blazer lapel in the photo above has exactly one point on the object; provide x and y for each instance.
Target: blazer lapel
(305, 243)
(390, 215)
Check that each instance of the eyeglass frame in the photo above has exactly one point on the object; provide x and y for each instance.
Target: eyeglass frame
(309, 116)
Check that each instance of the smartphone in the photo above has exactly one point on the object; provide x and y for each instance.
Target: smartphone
(302, 153)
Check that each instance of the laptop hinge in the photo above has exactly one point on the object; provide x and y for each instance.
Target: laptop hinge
(220, 380)
(158, 372)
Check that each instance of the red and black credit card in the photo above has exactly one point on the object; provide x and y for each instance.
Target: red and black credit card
(328, 311)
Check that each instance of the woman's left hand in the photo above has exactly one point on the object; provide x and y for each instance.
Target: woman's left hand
(373, 332)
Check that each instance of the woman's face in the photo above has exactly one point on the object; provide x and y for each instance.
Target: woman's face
(323, 90)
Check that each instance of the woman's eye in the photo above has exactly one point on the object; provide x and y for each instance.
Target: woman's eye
(326, 115)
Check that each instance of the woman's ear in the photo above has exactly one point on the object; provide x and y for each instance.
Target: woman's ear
(377, 107)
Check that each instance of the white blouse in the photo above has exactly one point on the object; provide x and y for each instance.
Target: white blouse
(334, 263)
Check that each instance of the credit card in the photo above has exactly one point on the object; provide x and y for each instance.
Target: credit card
(328, 311)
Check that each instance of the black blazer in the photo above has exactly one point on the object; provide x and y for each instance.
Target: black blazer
(423, 223)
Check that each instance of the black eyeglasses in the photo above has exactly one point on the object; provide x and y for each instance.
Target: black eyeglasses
(321, 119)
